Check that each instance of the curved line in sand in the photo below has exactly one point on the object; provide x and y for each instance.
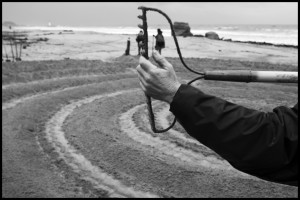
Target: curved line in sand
(162, 119)
(12, 103)
(6, 86)
(53, 127)
(197, 159)
(96, 174)
(78, 162)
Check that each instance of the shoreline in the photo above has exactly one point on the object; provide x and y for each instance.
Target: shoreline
(69, 31)
(226, 40)
(265, 43)
(64, 45)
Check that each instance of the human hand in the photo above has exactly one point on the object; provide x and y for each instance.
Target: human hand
(141, 43)
(158, 82)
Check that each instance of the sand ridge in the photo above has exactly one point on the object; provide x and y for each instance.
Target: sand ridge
(112, 134)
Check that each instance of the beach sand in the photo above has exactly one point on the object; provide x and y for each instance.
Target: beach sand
(95, 46)
(74, 124)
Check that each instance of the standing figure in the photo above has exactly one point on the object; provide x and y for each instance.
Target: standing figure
(160, 41)
(139, 40)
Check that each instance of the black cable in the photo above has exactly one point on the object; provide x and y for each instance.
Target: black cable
(174, 37)
(198, 78)
(151, 114)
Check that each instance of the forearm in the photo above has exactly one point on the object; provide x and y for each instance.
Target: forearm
(247, 138)
(258, 143)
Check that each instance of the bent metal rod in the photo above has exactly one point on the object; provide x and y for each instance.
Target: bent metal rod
(225, 75)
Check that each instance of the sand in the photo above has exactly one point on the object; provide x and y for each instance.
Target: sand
(95, 46)
(79, 127)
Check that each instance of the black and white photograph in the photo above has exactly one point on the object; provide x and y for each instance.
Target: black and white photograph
(149, 99)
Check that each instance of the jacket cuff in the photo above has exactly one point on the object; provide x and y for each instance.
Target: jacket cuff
(183, 97)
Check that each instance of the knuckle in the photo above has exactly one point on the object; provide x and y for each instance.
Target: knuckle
(147, 78)
(160, 59)
(156, 73)
(168, 65)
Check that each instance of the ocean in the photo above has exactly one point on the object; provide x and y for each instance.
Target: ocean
(275, 34)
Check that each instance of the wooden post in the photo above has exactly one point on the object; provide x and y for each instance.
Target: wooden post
(3, 45)
(127, 51)
(11, 47)
(21, 46)
(16, 45)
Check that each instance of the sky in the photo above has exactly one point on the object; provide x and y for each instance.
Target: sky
(125, 13)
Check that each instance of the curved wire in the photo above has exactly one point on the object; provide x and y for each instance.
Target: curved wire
(198, 78)
(174, 37)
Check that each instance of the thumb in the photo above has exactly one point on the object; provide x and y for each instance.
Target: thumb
(160, 60)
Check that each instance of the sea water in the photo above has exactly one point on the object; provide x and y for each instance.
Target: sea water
(275, 34)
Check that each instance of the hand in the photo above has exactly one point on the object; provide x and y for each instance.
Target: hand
(141, 43)
(158, 82)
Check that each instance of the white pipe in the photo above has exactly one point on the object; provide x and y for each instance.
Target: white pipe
(252, 76)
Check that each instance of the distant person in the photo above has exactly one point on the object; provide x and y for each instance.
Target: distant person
(160, 41)
(263, 144)
(139, 40)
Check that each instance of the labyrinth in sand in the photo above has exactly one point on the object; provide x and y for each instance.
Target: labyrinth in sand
(80, 129)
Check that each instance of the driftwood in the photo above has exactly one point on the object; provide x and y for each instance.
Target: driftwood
(15, 40)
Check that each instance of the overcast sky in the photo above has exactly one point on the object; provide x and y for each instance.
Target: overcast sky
(125, 13)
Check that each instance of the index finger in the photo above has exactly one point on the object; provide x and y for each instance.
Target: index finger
(146, 65)
(160, 60)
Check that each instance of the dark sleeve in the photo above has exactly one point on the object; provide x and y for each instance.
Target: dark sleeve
(258, 143)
